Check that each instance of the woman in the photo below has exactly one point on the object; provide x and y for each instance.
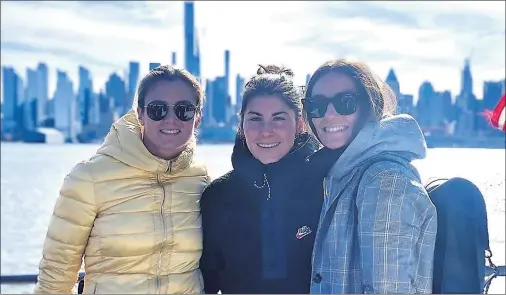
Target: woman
(259, 219)
(132, 209)
(378, 226)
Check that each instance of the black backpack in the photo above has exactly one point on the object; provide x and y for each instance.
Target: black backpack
(462, 242)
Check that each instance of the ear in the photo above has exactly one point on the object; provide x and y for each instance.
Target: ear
(140, 116)
(198, 119)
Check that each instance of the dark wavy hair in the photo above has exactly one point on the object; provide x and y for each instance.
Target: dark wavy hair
(276, 81)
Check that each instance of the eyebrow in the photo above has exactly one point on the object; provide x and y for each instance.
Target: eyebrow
(274, 114)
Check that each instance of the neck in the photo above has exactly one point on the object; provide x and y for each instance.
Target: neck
(162, 153)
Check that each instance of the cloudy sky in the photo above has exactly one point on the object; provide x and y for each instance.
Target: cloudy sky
(420, 40)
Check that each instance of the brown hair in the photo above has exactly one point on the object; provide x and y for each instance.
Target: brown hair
(277, 81)
(381, 101)
(169, 73)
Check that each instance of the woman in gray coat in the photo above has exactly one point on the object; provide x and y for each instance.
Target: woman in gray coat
(378, 226)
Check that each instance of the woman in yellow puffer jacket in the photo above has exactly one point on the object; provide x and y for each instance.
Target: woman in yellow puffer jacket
(132, 210)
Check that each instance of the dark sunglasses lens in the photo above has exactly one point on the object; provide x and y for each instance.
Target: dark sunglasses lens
(316, 108)
(184, 111)
(345, 104)
(157, 111)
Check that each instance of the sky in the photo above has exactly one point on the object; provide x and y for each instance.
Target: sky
(419, 40)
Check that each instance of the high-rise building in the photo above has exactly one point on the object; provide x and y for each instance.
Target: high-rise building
(426, 94)
(227, 71)
(12, 97)
(191, 43)
(133, 78)
(115, 88)
(239, 90)
(65, 104)
(174, 60)
(31, 116)
(85, 97)
(42, 92)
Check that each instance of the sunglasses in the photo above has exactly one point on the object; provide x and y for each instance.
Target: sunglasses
(345, 103)
(158, 110)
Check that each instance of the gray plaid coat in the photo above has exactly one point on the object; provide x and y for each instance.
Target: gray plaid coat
(379, 235)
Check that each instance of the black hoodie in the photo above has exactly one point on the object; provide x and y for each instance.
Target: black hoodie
(259, 221)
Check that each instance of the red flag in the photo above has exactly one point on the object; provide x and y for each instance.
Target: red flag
(497, 117)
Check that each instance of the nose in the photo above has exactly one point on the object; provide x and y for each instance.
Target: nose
(266, 129)
(331, 112)
(171, 116)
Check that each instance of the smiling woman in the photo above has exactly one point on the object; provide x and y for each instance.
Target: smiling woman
(132, 210)
(259, 220)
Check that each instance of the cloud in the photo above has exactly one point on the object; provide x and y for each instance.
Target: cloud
(420, 40)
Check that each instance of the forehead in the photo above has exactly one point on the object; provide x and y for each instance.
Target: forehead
(267, 105)
(332, 83)
(171, 92)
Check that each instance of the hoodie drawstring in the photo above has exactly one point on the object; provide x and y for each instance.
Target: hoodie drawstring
(265, 182)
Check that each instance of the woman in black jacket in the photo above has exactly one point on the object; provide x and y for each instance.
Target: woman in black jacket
(260, 219)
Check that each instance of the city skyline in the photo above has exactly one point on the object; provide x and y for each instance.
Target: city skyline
(119, 32)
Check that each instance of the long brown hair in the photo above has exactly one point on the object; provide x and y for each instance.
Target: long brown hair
(381, 101)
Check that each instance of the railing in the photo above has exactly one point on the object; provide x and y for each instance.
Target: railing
(491, 272)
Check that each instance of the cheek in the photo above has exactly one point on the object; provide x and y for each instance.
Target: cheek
(250, 130)
(188, 126)
(287, 131)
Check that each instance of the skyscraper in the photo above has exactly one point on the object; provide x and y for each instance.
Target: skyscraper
(227, 71)
(12, 98)
(191, 44)
(174, 60)
(133, 77)
(64, 105)
(42, 92)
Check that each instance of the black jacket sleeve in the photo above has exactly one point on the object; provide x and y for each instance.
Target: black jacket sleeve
(209, 262)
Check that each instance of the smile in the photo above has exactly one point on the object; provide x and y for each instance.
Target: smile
(335, 128)
(268, 145)
(170, 131)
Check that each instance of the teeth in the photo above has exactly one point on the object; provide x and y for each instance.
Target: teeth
(335, 129)
(267, 145)
(170, 131)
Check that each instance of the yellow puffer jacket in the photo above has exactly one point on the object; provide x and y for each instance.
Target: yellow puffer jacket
(134, 217)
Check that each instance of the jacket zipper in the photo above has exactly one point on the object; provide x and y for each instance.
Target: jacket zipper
(158, 283)
(164, 236)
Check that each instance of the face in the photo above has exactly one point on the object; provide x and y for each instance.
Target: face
(270, 127)
(335, 129)
(168, 136)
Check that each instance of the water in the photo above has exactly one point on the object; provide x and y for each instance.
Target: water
(32, 175)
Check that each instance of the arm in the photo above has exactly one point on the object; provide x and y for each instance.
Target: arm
(209, 262)
(67, 235)
(396, 231)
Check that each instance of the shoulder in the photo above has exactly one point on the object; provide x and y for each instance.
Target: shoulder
(386, 168)
(219, 187)
(393, 185)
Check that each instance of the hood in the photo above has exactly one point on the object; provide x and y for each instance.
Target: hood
(247, 165)
(398, 136)
(124, 143)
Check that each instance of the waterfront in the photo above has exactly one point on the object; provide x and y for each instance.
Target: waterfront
(32, 174)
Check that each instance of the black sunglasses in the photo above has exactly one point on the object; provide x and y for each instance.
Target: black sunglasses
(157, 110)
(345, 103)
